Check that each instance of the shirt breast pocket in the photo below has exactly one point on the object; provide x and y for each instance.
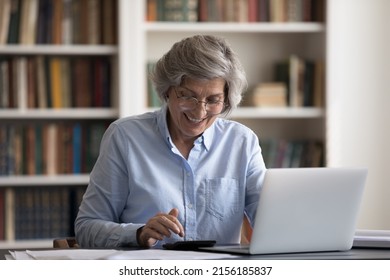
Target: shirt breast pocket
(222, 197)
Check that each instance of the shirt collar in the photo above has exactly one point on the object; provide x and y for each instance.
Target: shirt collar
(206, 138)
(163, 125)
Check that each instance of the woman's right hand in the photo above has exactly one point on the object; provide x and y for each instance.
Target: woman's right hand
(158, 227)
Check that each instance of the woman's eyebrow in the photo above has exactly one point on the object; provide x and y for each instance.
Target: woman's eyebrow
(194, 92)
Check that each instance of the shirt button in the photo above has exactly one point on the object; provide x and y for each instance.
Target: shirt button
(190, 205)
(188, 174)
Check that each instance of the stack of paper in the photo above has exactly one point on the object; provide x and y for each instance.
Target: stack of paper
(103, 254)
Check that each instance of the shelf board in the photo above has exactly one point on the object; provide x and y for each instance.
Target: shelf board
(16, 49)
(67, 113)
(44, 180)
(27, 244)
(298, 27)
(273, 113)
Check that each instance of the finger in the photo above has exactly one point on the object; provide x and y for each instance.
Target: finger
(165, 224)
(148, 237)
(169, 224)
(175, 213)
(150, 232)
(161, 225)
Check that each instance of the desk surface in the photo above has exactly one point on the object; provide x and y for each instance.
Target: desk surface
(353, 254)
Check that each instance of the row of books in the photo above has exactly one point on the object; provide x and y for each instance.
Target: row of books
(58, 22)
(55, 82)
(49, 148)
(236, 10)
(281, 153)
(297, 82)
(39, 213)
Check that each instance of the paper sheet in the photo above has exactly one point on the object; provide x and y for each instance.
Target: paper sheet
(103, 254)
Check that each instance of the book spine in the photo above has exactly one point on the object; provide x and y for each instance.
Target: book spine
(2, 214)
(10, 214)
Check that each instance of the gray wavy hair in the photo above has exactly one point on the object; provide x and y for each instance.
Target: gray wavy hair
(202, 57)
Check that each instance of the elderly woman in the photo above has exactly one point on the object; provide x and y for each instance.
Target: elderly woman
(182, 172)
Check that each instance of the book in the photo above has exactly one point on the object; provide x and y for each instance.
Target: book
(269, 95)
(241, 11)
(282, 75)
(13, 101)
(44, 22)
(5, 12)
(277, 10)
(10, 214)
(20, 81)
(67, 28)
(13, 28)
(82, 83)
(77, 148)
(29, 149)
(4, 83)
(18, 144)
(308, 83)
(97, 85)
(38, 150)
(109, 22)
(3, 150)
(294, 10)
(253, 10)
(319, 87)
(83, 21)
(29, 19)
(76, 15)
(41, 82)
(56, 82)
(94, 22)
(57, 21)
(48, 80)
(107, 84)
(296, 70)
(2, 213)
(66, 83)
(51, 148)
(31, 83)
(264, 11)
(151, 10)
(228, 10)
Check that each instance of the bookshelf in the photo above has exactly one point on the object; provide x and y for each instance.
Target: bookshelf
(140, 41)
(85, 102)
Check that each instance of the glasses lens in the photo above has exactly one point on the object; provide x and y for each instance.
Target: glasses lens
(189, 103)
(192, 103)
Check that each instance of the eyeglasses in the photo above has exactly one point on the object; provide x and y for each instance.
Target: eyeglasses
(186, 101)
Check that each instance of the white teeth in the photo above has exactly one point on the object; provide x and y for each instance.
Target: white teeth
(195, 120)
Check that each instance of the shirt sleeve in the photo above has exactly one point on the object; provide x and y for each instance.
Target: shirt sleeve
(255, 178)
(98, 222)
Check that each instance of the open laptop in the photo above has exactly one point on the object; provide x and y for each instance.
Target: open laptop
(305, 210)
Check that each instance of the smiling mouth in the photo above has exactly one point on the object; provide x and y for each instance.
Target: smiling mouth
(194, 120)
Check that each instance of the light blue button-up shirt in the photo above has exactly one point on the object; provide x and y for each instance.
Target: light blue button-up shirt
(140, 172)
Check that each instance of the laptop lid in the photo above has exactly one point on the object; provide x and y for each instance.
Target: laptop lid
(305, 210)
(308, 209)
